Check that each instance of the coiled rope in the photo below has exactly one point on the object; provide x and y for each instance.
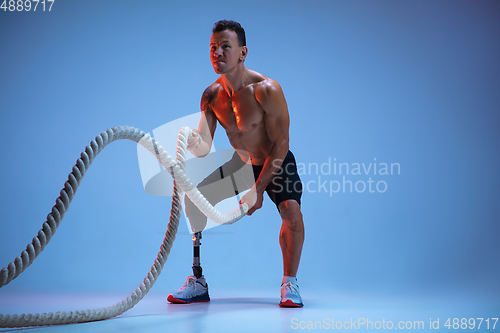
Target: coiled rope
(54, 218)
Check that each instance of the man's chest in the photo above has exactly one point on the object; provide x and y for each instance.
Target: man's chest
(240, 111)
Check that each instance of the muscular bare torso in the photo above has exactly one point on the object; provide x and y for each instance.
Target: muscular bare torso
(243, 118)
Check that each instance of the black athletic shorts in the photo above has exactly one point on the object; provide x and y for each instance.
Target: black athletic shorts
(286, 183)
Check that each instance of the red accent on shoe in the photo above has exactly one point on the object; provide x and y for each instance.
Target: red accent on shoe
(174, 300)
(289, 304)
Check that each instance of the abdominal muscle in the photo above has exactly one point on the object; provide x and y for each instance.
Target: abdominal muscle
(253, 146)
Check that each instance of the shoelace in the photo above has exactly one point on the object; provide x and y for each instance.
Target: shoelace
(190, 281)
(290, 287)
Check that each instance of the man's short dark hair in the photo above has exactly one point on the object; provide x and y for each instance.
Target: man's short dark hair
(234, 26)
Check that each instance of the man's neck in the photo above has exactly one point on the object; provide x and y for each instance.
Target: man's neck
(234, 81)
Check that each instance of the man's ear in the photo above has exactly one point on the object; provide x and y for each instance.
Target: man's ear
(244, 52)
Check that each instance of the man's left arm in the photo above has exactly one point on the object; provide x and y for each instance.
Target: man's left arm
(277, 121)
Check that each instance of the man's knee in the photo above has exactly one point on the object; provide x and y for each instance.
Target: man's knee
(290, 214)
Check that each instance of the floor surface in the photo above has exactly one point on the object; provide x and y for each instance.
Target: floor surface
(259, 312)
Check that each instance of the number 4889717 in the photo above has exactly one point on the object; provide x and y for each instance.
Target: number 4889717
(25, 5)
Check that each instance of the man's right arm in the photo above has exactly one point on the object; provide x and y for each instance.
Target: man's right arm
(201, 140)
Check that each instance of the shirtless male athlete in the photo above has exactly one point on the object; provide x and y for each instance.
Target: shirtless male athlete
(253, 111)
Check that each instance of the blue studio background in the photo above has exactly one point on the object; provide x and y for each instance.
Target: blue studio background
(409, 83)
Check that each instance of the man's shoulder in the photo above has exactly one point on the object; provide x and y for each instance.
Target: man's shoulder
(267, 84)
(211, 89)
(267, 89)
(260, 81)
(210, 93)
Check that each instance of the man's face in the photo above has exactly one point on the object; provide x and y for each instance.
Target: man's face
(225, 53)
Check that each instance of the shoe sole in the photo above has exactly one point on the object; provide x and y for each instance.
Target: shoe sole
(174, 300)
(289, 304)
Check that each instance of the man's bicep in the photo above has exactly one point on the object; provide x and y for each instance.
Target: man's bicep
(208, 121)
(277, 125)
(275, 108)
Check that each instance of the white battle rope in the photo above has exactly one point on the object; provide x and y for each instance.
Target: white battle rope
(54, 218)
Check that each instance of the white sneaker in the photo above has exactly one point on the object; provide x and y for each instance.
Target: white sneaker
(194, 290)
(290, 297)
